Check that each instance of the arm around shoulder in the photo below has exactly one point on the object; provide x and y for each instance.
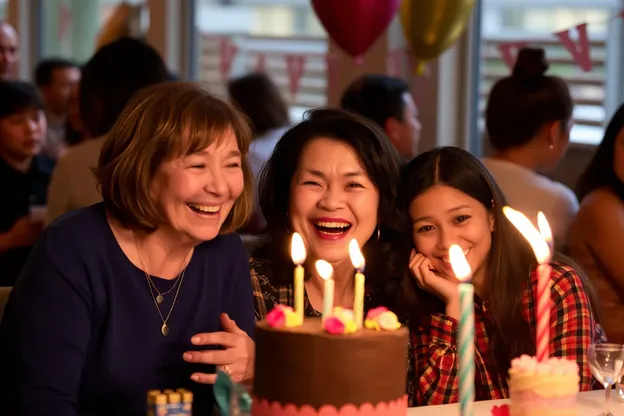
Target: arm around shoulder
(45, 330)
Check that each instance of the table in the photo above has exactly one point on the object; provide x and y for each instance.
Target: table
(590, 403)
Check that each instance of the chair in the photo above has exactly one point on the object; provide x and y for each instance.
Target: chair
(4, 297)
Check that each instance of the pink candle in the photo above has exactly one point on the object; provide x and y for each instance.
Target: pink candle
(539, 241)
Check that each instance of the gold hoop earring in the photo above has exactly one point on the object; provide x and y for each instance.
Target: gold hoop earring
(378, 233)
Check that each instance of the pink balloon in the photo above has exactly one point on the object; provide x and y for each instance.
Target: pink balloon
(355, 24)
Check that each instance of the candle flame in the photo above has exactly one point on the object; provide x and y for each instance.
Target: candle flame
(544, 227)
(297, 249)
(528, 230)
(460, 265)
(356, 255)
(324, 269)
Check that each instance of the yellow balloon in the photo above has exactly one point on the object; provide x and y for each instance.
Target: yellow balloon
(431, 26)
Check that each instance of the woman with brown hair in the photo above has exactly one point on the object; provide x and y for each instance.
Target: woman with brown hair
(149, 289)
(452, 199)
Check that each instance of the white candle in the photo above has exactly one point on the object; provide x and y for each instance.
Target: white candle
(325, 270)
(298, 255)
(358, 291)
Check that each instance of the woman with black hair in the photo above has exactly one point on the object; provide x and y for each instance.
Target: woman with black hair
(332, 178)
(528, 120)
(599, 227)
(452, 199)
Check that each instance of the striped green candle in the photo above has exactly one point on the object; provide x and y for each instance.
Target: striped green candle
(465, 337)
(465, 344)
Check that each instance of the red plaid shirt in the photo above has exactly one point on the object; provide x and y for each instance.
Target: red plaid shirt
(435, 352)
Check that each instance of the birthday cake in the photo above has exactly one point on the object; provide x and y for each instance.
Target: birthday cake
(328, 367)
(543, 388)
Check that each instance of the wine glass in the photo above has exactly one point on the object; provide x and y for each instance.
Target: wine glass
(606, 362)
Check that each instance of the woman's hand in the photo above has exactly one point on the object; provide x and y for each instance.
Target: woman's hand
(237, 359)
(442, 287)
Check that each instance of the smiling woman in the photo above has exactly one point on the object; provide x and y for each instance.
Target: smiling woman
(148, 289)
(452, 199)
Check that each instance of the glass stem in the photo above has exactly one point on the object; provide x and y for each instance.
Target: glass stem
(607, 396)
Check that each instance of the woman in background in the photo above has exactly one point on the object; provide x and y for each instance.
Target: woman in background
(598, 230)
(452, 199)
(149, 289)
(260, 100)
(528, 120)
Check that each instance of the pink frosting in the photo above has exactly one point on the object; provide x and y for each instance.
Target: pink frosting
(373, 313)
(333, 325)
(283, 317)
(261, 407)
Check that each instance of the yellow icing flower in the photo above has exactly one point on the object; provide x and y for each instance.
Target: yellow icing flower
(388, 321)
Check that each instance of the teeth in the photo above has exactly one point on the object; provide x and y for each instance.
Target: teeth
(332, 224)
(206, 208)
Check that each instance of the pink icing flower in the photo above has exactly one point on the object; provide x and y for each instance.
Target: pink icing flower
(502, 410)
(334, 326)
(283, 316)
(373, 313)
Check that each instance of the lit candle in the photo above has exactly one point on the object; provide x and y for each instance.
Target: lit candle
(298, 254)
(358, 292)
(465, 337)
(539, 241)
(325, 270)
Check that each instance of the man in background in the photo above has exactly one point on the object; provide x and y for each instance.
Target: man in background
(55, 79)
(8, 51)
(388, 102)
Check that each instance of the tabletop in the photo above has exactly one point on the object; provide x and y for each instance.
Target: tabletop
(590, 403)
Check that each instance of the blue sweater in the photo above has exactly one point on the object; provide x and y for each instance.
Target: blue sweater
(81, 334)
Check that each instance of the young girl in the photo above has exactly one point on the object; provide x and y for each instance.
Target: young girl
(452, 199)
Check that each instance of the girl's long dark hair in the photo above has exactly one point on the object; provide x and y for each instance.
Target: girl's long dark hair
(510, 260)
(600, 172)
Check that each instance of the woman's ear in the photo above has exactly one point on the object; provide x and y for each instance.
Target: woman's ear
(492, 222)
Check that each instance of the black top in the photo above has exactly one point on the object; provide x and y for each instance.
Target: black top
(18, 191)
(81, 333)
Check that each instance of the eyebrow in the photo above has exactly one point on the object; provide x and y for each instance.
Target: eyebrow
(457, 208)
(320, 174)
(233, 153)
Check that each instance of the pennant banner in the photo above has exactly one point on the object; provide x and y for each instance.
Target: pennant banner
(581, 53)
(294, 67)
(227, 53)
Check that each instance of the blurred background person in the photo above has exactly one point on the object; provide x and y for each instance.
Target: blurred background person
(260, 100)
(8, 51)
(387, 101)
(109, 80)
(598, 229)
(55, 78)
(528, 120)
(24, 175)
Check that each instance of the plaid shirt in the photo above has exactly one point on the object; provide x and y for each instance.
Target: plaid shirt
(435, 352)
(267, 296)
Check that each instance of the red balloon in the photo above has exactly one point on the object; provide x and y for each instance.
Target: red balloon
(355, 24)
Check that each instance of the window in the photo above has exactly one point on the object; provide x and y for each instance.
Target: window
(3, 9)
(71, 28)
(262, 33)
(534, 22)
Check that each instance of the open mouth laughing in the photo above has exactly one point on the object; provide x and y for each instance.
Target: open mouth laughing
(331, 228)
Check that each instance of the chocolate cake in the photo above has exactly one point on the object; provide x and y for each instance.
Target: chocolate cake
(303, 369)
